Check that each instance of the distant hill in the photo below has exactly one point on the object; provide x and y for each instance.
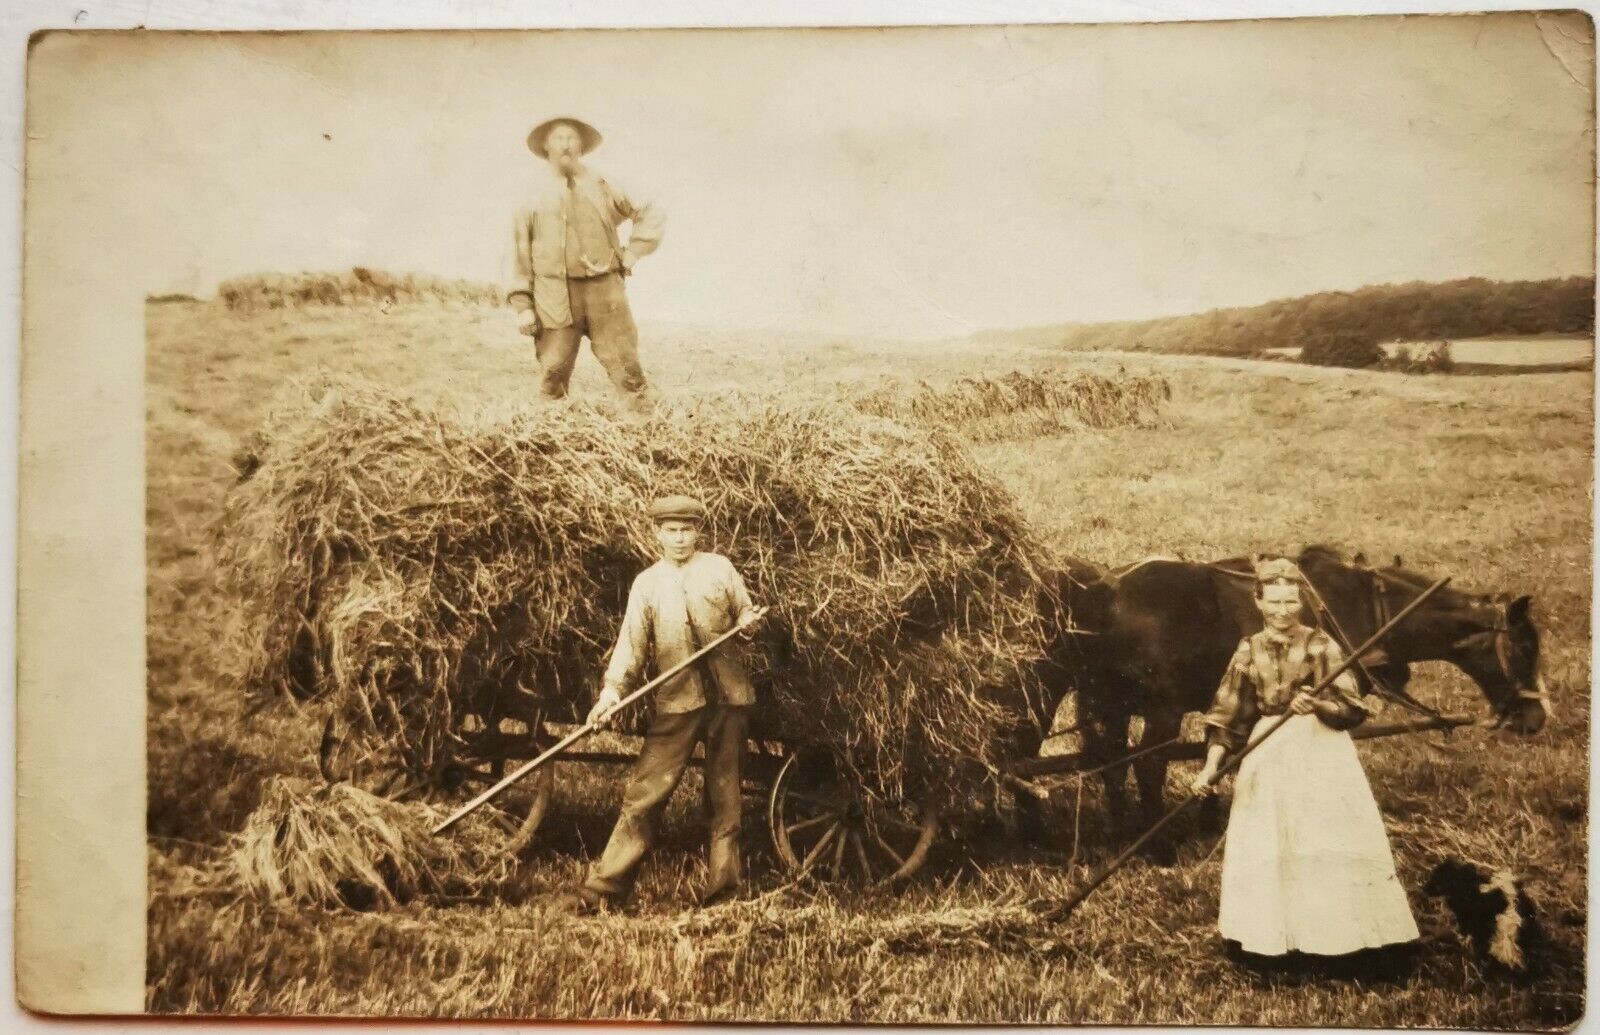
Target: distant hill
(1469, 308)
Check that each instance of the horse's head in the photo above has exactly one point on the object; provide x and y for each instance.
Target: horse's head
(1502, 657)
(1075, 604)
(1490, 637)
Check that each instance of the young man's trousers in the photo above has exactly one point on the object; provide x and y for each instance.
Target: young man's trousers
(655, 775)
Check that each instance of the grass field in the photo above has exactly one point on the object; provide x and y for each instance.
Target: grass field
(1488, 479)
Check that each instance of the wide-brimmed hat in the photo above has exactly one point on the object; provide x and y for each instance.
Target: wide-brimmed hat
(677, 508)
(587, 134)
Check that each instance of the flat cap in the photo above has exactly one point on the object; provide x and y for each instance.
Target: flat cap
(677, 508)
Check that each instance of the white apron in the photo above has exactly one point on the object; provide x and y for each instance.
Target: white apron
(1307, 864)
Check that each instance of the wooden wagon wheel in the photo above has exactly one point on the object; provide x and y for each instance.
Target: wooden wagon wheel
(522, 810)
(519, 812)
(541, 785)
(823, 822)
(341, 757)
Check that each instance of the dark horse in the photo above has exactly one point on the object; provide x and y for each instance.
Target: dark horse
(1154, 640)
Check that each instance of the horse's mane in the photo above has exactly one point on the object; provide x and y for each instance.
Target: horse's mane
(1326, 553)
(1392, 573)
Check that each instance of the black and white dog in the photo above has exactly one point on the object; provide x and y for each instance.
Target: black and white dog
(1492, 910)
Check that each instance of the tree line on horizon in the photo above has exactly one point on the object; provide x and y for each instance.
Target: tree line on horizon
(1472, 307)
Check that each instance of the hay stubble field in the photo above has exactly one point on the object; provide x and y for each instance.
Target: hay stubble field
(1486, 478)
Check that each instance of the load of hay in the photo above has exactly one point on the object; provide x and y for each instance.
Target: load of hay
(337, 845)
(432, 576)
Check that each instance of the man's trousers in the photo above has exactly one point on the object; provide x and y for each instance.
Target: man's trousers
(600, 311)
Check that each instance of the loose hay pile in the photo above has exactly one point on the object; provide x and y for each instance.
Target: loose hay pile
(338, 845)
(435, 577)
(1021, 405)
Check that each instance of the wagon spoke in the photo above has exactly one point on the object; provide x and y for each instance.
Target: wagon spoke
(895, 821)
(861, 854)
(795, 828)
(899, 860)
(543, 784)
(885, 839)
(838, 856)
(501, 820)
(816, 849)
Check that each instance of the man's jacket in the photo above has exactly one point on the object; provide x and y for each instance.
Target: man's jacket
(540, 238)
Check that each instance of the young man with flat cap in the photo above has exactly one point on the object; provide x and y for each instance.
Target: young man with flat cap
(677, 605)
(570, 263)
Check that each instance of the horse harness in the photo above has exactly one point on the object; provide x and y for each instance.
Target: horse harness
(1383, 610)
(1500, 629)
(1329, 623)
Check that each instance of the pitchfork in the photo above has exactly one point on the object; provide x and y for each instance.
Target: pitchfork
(1064, 910)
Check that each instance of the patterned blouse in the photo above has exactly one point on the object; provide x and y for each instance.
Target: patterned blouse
(1267, 671)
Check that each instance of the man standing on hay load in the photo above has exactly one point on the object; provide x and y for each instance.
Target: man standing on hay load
(570, 263)
(675, 606)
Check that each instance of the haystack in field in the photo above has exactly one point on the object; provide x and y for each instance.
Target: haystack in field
(1019, 404)
(434, 577)
(356, 286)
(338, 845)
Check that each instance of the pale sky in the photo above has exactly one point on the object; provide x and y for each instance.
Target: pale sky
(895, 183)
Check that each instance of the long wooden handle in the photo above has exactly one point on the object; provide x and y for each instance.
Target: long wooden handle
(1065, 909)
(588, 728)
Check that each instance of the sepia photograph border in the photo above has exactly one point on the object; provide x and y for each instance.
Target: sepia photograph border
(80, 745)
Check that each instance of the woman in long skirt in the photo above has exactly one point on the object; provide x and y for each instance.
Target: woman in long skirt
(1307, 866)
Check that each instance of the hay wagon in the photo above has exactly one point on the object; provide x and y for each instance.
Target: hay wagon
(415, 566)
(821, 822)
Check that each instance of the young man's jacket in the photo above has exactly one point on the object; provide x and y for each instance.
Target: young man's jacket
(673, 610)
